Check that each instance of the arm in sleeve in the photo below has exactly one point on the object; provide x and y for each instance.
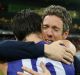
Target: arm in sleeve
(14, 50)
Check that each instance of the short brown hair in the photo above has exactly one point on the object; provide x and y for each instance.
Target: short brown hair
(60, 12)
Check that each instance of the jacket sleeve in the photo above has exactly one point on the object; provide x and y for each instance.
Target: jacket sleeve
(14, 50)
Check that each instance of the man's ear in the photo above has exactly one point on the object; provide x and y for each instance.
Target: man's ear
(65, 34)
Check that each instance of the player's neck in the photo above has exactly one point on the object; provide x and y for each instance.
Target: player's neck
(33, 37)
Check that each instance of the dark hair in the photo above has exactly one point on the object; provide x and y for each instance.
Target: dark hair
(60, 12)
(26, 22)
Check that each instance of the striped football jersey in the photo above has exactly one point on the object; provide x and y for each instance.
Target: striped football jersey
(55, 67)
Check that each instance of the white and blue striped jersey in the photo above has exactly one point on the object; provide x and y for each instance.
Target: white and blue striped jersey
(55, 67)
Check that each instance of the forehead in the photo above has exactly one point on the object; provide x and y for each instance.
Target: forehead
(52, 20)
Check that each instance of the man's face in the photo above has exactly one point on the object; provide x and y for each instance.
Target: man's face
(52, 28)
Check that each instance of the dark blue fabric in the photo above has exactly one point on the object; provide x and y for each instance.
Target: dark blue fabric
(50, 67)
(69, 69)
(14, 50)
(14, 67)
(34, 66)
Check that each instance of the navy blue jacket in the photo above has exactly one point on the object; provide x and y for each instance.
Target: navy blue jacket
(14, 50)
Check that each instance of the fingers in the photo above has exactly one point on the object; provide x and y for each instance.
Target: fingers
(68, 57)
(70, 46)
(29, 71)
(65, 61)
(43, 67)
(20, 73)
(69, 51)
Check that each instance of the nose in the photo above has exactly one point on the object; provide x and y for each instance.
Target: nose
(50, 33)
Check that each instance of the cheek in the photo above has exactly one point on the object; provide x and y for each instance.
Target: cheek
(44, 32)
(58, 36)
(44, 35)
